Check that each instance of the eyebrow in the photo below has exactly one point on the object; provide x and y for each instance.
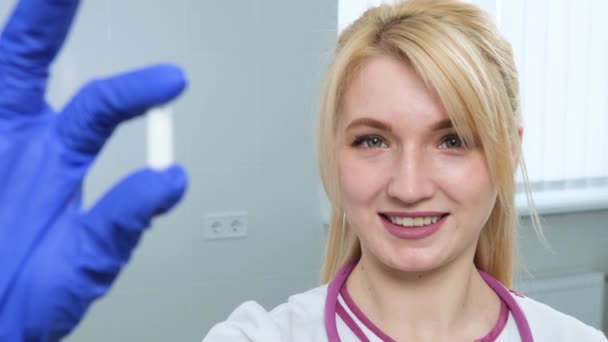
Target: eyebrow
(370, 123)
(443, 124)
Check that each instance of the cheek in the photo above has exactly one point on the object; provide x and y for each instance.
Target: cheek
(467, 181)
(361, 180)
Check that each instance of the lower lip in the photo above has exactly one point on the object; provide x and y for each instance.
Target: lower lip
(413, 233)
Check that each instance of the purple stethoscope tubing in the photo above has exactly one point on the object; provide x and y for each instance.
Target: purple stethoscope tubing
(334, 287)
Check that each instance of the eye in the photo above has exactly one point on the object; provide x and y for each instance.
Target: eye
(452, 141)
(369, 141)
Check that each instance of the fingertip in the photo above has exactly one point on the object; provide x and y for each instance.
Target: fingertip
(174, 77)
(175, 179)
(141, 196)
(177, 176)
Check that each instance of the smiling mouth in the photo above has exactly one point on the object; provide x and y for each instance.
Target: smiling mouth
(414, 222)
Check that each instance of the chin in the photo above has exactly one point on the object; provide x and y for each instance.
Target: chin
(414, 267)
(409, 262)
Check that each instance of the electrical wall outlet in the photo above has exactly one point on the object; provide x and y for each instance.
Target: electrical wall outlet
(227, 225)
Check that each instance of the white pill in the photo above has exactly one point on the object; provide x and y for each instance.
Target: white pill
(160, 137)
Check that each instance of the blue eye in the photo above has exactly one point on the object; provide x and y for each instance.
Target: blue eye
(452, 141)
(369, 142)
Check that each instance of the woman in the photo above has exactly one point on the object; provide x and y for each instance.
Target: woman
(419, 137)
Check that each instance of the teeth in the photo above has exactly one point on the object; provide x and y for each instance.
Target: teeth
(414, 221)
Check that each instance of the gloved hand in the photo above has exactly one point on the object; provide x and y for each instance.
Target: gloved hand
(56, 259)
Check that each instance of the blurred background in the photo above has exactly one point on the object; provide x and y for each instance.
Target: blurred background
(245, 132)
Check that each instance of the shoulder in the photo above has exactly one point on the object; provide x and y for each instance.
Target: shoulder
(548, 324)
(300, 318)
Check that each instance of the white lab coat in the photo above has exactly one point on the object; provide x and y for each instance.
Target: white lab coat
(301, 318)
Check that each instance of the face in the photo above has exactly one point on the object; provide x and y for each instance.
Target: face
(414, 193)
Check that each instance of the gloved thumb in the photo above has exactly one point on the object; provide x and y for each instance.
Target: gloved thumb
(104, 240)
(113, 226)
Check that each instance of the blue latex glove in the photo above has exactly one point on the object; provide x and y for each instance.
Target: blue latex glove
(55, 259)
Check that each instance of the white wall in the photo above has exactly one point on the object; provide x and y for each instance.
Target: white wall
(577, 244)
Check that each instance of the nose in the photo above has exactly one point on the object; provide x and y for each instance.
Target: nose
(411, 181)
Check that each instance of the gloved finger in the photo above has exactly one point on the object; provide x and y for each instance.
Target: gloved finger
(30, 41)
(91, 116)
(112, 228)
(102, 243)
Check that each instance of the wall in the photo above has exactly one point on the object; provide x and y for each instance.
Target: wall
(577, 244)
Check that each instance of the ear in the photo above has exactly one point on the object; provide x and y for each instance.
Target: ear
(515, 151)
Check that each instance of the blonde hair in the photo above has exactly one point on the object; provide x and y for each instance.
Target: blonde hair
(458, 52)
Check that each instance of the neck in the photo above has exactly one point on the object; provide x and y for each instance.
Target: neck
(429, 305)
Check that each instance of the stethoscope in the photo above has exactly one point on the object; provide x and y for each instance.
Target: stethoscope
(335, 286)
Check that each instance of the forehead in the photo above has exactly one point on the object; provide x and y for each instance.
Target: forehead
(389, 89)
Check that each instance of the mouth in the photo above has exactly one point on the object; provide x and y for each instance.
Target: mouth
(414, 220)
(413, 226)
